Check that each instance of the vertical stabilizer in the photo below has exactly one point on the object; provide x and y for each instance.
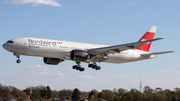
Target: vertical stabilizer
(147, 36)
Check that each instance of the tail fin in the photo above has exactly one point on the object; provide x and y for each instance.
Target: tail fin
(147, 36)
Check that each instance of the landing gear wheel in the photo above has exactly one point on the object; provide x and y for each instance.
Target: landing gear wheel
(94, 66)
(90, 65)
(78, 68)
(74, 67)
(81, 69)
(18, 61)
(98, 68)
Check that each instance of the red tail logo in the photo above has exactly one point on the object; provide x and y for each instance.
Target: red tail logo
(147, 36)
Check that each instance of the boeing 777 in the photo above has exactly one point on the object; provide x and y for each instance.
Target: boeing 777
(56, 51)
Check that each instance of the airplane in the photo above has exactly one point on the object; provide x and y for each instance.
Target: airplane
(56, 51)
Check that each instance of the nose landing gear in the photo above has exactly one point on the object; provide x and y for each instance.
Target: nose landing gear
(17, 56)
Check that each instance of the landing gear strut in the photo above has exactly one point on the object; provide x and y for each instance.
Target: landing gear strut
(78, 67)
(94, 66)
(17, 56)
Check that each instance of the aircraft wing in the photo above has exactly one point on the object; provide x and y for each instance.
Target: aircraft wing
(118, 48)
(149, 54)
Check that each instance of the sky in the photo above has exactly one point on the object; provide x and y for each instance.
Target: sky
(109, 22)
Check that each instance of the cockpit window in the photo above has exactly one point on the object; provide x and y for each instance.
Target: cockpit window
(10, 41)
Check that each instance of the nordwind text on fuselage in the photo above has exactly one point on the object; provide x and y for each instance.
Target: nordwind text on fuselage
(43, 42)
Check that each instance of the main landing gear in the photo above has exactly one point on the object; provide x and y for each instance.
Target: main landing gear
(17, 56)
(91, 65)
(94, 66)
(78, 67)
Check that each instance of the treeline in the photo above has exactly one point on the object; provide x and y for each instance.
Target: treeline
(45, 93)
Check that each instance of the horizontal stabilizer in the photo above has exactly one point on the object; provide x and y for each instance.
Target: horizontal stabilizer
(149, 54)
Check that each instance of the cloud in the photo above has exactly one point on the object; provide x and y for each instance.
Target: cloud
(177, 66)
(1, 63)
(40, 71)
(132, 3)
(166, 72)
(35, 2)
(107, 74)
(85, 76)
(22, 77)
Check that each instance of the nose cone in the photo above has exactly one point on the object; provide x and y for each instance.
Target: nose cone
(6, 46)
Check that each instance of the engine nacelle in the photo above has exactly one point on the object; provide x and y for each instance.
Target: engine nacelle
(79, 55)
(52, 61)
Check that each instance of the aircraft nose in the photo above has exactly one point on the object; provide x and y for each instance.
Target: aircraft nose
(6, 46)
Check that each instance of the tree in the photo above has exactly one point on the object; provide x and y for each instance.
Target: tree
(5, 92)
(91, 93)
(136, 94)
(143, 97)
(35, 93)
(176, 93)
(149, 92)
(121, 92)
(22, 95)
(15, 92)
(76, 95)
(42, 91)
(158, 89)
(127, 97)
(84, 94)
(159, 94)
(168, 94)
(49, 93)
(55, 93)
(64, 92)
(91, 96)
(116, 98)
(1, 90)
(115, 91)
(94, 93)
(100, 95)
(108, 95)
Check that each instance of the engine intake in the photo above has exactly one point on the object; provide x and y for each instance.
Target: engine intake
(52, 61)
(79, 55)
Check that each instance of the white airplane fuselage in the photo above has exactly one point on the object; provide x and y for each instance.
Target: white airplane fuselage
(56, 51)
(61, 49)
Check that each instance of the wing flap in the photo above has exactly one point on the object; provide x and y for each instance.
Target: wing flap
(118, 48)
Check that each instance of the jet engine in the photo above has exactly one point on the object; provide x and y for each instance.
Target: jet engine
(79, 55)
(52, 61)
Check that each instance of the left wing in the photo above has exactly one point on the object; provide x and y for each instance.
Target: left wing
(118, 48)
